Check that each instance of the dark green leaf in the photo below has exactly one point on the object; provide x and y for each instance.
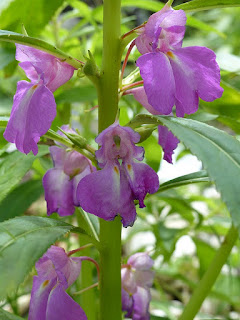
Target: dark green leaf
(219, 152)
(6, 56)
(22, 242)
(14, 167)
(20, 199)
(197, 5)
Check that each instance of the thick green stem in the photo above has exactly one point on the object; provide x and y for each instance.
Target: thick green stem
(110, 232)
(210, 276)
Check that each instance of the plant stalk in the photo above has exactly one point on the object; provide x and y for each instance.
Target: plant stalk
(210, 276)
(110, 231)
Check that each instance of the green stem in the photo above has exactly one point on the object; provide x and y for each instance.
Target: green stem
(110, 232)
(210, 276)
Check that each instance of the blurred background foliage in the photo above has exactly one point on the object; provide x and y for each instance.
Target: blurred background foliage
(181, 227)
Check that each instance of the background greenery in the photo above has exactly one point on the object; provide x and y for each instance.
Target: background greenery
(184, 223)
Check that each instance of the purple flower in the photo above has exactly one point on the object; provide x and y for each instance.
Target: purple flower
(112, 190)
(60, 183)
(173, 75)
(34, 107)
(166, 139)
(49, 301)
(137, 279)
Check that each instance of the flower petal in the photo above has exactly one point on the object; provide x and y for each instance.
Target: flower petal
(143, 179)
(202, 62)
(159, 83)
(39, 296)
(107, 193)
(127, 303)
(141, 261)
(168, 142)
(141, 300)
(69, 267)
(58, 192)
(33, 111)
(140, 95)
(56, 72)
(61, 306)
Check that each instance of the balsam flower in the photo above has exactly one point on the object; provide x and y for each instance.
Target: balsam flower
(174, 75)
(112, 190)
(34, 107)
(60, 183)
(166, 139)
(137, 279)
(49, 301)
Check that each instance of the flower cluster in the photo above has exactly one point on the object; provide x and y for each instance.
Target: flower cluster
(60, 183)
(112, 190)
(137, 279)
(173, 75)
(49, 301)
(34, 107)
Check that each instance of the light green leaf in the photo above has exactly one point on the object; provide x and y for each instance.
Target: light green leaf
(153, 154)
(33, 14)
(9, 36)
(22, 242)
(4, 315)
(219, 152)
(198, 5)
(198, 24)
(228, 105)
(3, 122)
(143, 4)
(200, 176)
(20, 199)
(14, 167)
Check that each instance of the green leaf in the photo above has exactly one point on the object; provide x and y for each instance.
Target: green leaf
(79, 94)
(33, 14)
(228, 105)
(38, 44)
(3, 122)
(196, 177)
(20, 199)
(22, 242)
(198, 24)
(4, 315)
(6, 56)
(205, 255)
(219, 152)
(153, 154)
(14, 167)
(197, 5)
(143, 4)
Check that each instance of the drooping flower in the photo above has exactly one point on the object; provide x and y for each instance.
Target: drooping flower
(49, 301)
(137, 279)
(174, 75)
(166, 139)
(34, 107)
(112, 190)
(60, 183)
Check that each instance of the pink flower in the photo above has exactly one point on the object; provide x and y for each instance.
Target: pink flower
(112, 190)
(34, 107)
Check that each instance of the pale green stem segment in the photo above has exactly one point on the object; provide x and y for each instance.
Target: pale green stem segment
(210, 276)
(110, 232)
